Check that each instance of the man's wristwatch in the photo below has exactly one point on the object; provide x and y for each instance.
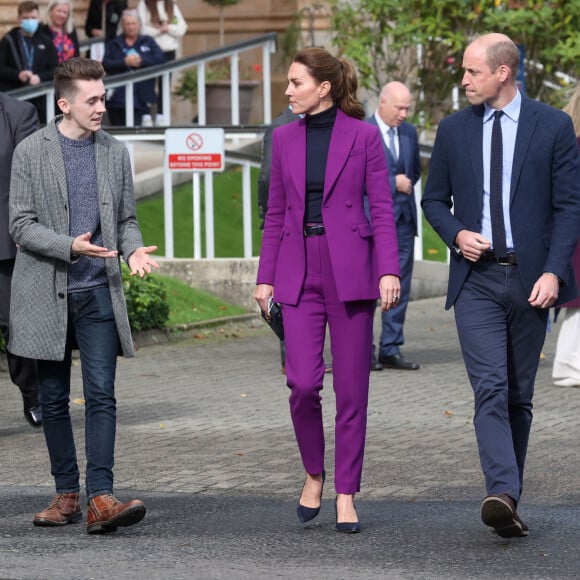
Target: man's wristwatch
(553, 276)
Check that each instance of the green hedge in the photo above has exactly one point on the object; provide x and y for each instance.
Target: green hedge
(146, 302)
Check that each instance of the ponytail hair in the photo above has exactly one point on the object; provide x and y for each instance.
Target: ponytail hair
(339, 72)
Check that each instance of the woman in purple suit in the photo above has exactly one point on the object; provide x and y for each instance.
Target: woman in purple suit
(325, 263)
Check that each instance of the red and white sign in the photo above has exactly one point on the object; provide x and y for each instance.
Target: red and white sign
(195, 149)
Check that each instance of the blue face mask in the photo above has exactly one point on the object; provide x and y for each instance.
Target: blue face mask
(29, 25)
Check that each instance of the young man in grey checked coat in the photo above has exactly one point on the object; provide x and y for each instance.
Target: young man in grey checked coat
(72, 215)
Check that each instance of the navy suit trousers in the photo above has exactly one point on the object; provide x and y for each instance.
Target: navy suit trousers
(393, 319)
(501, 339)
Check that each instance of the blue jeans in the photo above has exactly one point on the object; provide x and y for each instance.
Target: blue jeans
(91, 324)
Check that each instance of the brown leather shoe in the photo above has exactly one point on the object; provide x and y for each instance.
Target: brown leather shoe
(106, 514)
(64, 509)
(499, 512)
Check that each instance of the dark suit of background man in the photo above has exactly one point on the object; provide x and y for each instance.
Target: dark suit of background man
(501, 294)
(18, 119)
(404, 172)
(286, 116)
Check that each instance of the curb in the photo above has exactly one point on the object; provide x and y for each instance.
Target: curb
(176, 332)
(179, 332)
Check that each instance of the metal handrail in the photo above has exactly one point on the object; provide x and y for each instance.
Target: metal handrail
(130, 133)
(232, 51)
(246, 161)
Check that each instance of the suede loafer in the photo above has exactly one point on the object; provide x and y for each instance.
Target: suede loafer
(499, 512)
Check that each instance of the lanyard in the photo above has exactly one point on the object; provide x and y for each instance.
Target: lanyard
(29, 52)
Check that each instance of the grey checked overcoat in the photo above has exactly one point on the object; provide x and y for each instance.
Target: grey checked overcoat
(39, 224)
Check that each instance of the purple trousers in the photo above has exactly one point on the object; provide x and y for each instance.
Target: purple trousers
(350, 326)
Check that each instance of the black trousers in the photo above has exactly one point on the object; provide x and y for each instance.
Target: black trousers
(23, 371)
(117, 116)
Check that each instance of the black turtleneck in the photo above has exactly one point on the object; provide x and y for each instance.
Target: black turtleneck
(318, 131)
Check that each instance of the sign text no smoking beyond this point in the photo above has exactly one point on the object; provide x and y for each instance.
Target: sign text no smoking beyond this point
(199, 150)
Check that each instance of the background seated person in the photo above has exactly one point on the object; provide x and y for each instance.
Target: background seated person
(126, 52)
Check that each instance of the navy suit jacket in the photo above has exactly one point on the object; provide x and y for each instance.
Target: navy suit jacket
(409, 149)
(544, 193)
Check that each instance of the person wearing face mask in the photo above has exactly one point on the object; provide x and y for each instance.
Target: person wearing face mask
(27, 55)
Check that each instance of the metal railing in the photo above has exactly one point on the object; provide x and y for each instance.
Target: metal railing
(233, 133)
(232, 157)
(127, 80)
(267, 42)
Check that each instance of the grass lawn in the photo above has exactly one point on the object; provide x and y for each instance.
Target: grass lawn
(433, 247)
(188, 305)
(228, 227)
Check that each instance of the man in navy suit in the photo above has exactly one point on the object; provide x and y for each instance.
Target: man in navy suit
(402, 152)
(513, 229)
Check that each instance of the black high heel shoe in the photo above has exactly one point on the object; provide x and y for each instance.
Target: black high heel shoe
(305, 514)
(345, 527)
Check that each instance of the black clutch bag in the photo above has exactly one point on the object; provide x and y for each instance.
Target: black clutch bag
(274, 319)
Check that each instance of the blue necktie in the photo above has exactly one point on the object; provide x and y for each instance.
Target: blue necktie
(495, 187)
(392, 146)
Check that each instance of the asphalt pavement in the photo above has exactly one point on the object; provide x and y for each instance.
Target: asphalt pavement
(204, 439)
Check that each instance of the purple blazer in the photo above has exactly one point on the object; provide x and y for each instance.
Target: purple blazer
(360, 252)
